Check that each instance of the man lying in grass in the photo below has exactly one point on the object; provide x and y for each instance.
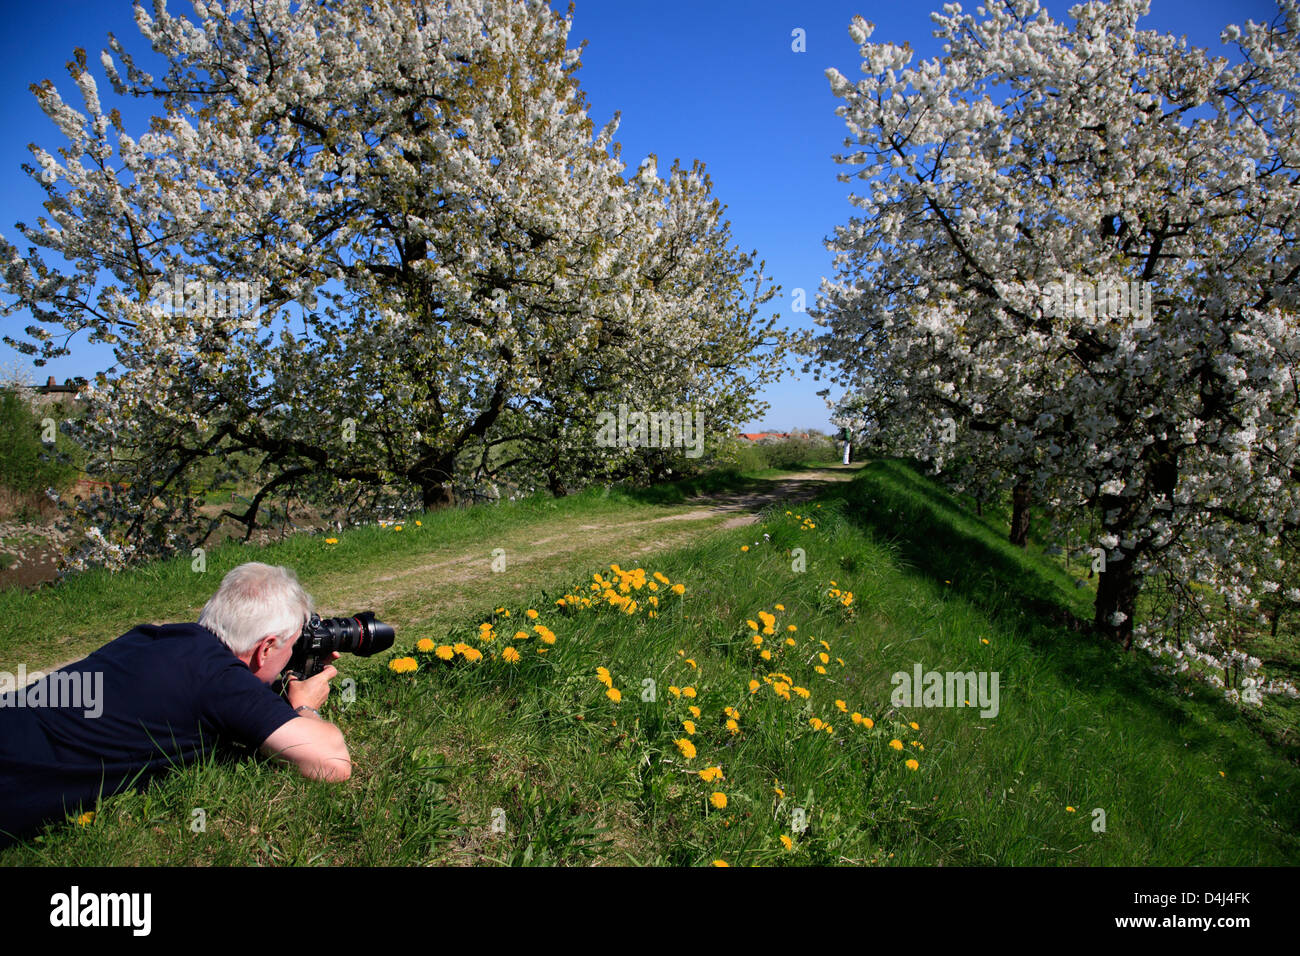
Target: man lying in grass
(160, 697)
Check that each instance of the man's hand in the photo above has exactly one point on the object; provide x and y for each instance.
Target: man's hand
(313, 691)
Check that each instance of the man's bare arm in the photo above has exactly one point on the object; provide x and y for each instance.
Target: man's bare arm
(316, 747)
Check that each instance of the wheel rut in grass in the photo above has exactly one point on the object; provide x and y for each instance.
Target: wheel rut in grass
(463, 579)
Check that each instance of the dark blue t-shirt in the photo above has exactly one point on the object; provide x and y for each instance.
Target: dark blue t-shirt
(155, 698)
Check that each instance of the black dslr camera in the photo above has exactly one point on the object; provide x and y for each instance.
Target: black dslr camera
(320, 638)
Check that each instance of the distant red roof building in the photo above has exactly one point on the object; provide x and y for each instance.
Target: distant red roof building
(760, 436)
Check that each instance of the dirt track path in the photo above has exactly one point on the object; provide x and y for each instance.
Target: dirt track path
(547, 555)
(431, 590)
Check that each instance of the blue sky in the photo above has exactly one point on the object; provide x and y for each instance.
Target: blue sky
(717, 81)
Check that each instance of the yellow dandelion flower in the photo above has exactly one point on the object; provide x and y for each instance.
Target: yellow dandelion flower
(710, 774)
(914, 725)
(510, 655)
(686, 747)
(419, 524)
(782, 689)
(842, 707)
(614, 694)
(688, 691)
(679, 589)
(331, 540)
(789, 642)
(819, 669)
(779, 607)
(86, 818)
(602, 675)
(1069, 809)
(765, 654)
(753, 686)
(787, 842)
(473, 654)
(868, 722)
(445, 652)
(691, 662)
(744, 547)
(815, 723)
(803, 692)
(397, 527)
(424, 644)
(984, 640)
(791, 628)
(719, 800)
(896, 744)
(753, 626)
(721, 863)
(777, 790)
(733, 726)
(855, 717)
(912, 765)
(674, 690)
(695, 711)
(403, 665)
(824, 657)
(531, 614)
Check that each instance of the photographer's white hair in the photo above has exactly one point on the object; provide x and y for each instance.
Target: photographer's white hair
(256, 600)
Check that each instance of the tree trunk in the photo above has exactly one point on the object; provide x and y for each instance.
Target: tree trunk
(1117, 591)
(1020, 514)
(554, 481)
(436, 495)
(434, 476)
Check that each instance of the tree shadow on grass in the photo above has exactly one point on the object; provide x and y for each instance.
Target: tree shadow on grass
(937, 539)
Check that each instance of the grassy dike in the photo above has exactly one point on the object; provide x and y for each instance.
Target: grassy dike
(475, 761)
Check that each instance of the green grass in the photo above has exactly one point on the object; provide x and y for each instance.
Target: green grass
(532, 763)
